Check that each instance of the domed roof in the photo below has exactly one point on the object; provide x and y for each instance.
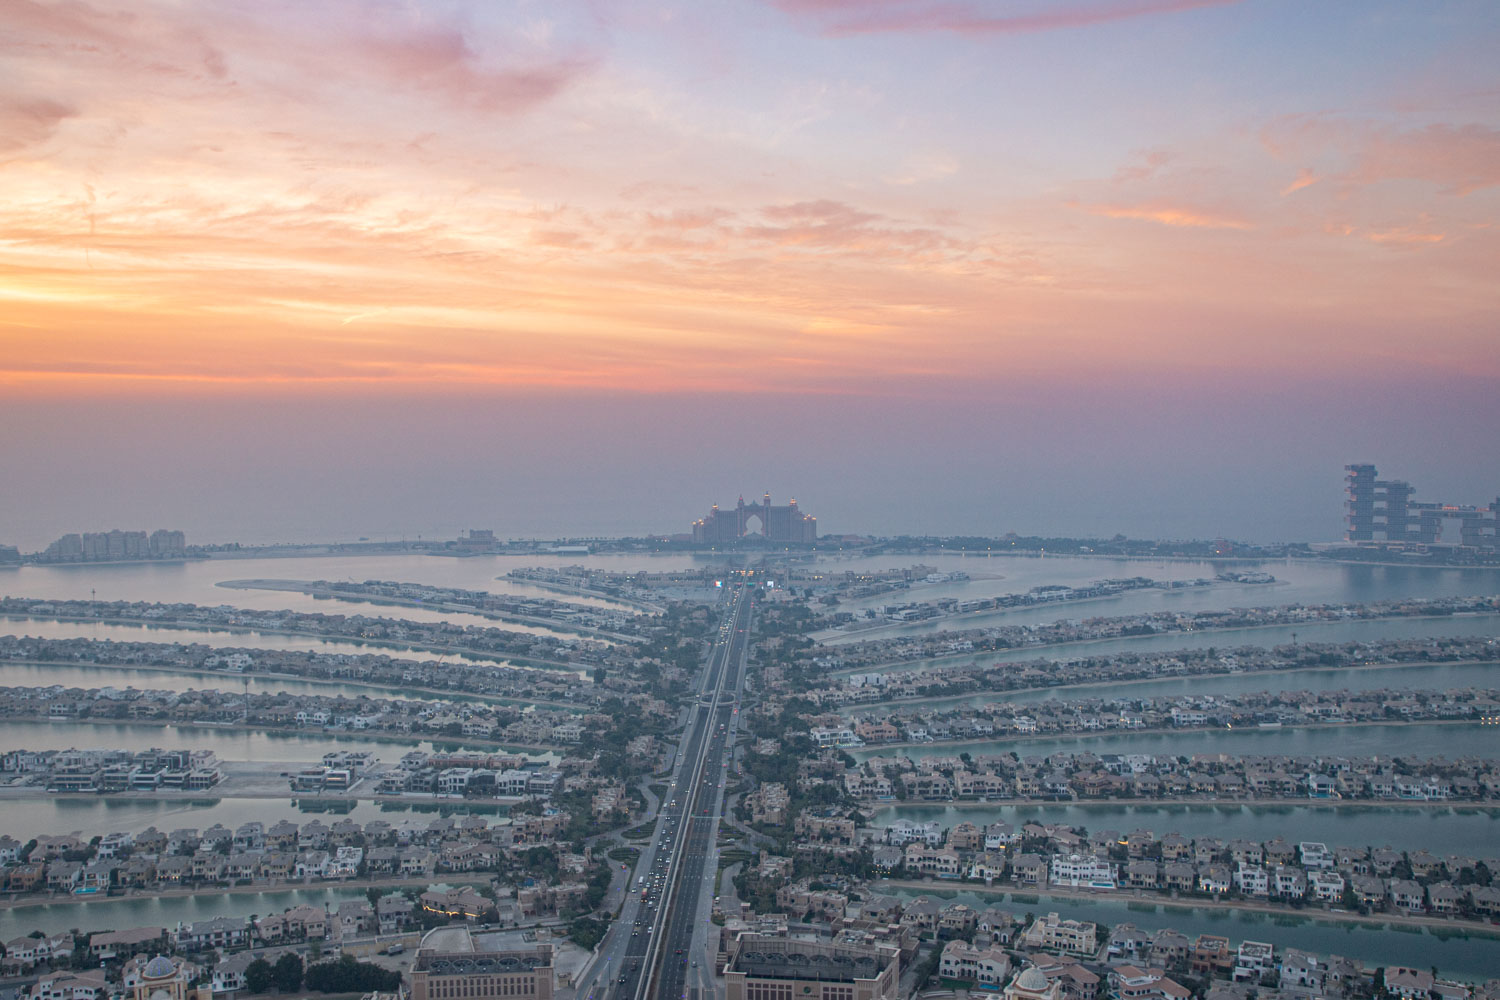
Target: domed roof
(1032, 980)
(160, 967)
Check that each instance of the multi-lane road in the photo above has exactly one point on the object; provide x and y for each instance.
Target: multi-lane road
(656, 949)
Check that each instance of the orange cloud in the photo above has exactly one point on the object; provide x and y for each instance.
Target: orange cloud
(1404, 238)
(342, 192)
(1170, 215)
(1305, 178)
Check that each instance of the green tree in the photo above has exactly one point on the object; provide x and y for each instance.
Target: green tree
(258, 977)
(346, 975)
(598, 884)
(586, 931)
(287, 973)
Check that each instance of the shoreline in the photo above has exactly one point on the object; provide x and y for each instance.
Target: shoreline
(1204, 904)
(1190, 803)
(999, 694)
(641, 605)
(322, 550)
(1210, 559)
(374, 736)
(1158, 730)
(474, 655)
(305, 587)
(261, 780)
(892, 666)
(822, 637)
(21, 902)
(392, 693)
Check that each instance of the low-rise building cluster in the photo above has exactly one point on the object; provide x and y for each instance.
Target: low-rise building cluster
(360, 628)
(470, 720)
(288, 853)
(1041, 956)
(493, 679)
(1204, 776)
(470, 775)
(115, 770)
(979, 682)
(1133, 712)
(539, 609)
(1045, 594)
(1295, 874)
(998, 638)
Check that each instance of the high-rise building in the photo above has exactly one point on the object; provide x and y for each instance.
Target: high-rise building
(1382, 510)
(166, 544)
(116, 545)
(68, 548)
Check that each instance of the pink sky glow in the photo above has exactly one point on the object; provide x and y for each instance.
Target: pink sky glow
(906, 202)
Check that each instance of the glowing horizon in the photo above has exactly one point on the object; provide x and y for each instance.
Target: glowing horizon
(815, 197)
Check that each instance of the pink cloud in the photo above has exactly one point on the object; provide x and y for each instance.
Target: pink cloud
(1152, 161)
(827, 223)
(1458, 159)
(860, 17)
(440, 59)
(28, 121)
(304, 45)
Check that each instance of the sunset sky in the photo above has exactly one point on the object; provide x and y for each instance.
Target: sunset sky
(940, 266)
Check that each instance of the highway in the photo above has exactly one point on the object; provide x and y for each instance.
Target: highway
(675, 880)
